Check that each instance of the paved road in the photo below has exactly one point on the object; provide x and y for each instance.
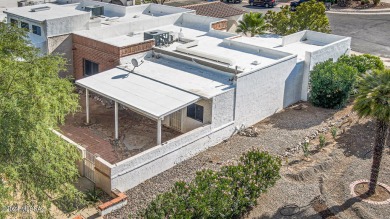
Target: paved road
(370, 33)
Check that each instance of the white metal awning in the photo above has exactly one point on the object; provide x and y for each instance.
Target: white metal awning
(141, 94)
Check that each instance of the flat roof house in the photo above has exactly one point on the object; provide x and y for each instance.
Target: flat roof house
(203, 83)
(179, 84)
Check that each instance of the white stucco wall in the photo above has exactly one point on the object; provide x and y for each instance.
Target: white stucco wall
(330, 51)
(223, 109)
(135, 170)
(293, 85)
(66, 25)
(293, 38)
(262, 93)
(62, 45)
(233, 23)
(191, 20)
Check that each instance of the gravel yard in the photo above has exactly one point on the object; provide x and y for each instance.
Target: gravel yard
(326, 175)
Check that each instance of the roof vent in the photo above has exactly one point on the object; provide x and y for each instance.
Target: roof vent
(44, 8)
(256, 62)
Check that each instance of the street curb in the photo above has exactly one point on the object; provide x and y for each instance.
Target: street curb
(361, 12)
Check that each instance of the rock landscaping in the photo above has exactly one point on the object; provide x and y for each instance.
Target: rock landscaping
(316, 187)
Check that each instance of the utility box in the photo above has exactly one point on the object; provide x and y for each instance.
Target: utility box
(160, 37)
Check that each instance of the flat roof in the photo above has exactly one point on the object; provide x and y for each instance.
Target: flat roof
(275, 42)
(141, 94)
(190, 77)
(54, 11)
(211, 46)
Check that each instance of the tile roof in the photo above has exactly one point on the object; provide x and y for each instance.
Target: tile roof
(215, 9)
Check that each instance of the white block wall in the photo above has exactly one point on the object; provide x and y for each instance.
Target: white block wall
(262, 93)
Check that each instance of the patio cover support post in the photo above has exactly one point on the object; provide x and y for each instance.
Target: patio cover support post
(87, 105)
(116, 120)
(158, 131)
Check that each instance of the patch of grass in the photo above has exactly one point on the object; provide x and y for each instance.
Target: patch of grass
(334, 130)
(322, 140)
(305, 148)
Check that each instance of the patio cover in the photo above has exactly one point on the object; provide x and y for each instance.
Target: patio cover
(141, 94)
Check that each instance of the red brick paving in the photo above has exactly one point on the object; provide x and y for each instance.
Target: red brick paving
(92, 142)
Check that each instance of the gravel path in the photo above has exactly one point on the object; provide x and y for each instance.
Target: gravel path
(277, 133)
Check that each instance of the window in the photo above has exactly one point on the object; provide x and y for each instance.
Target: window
(24, 25)
(90, 68)
(36, 30)
(14, 22)
(195, 111)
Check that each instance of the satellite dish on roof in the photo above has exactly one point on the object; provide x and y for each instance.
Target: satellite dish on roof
(135, 63)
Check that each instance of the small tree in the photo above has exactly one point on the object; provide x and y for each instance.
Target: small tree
(309, 16)
(362, 63)
(252, 23)
(331, 84)
(373, 100)
(34, 161)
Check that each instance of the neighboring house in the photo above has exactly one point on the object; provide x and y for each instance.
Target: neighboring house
(219, 10)
(51, 26)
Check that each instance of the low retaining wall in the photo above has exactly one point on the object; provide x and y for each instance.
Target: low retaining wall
(118, 202)
(135, 170)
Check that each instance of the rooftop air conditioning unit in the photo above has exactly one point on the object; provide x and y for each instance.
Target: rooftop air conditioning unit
(160, 37)
(96, 10)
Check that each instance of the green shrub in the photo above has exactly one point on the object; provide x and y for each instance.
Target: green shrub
(322, 141)
(93, 195)
(376, 2)
(331, 84)
(224, 194)
(363, 62)
(333, 130)
(305, 148)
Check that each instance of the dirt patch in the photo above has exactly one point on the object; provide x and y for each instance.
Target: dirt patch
(381, 193)
(323, 210)
(359, 5)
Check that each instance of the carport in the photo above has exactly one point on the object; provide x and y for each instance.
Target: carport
(140, 94)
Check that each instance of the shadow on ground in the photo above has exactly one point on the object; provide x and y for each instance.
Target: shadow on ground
(303, 117)
(357, 140)
(318, 205)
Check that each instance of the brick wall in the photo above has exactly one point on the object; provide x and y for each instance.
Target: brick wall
(220, 25)
(106, 55)
(136, 48)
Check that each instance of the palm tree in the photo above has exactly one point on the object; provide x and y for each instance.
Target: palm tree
(373, 100)
(252, 23)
